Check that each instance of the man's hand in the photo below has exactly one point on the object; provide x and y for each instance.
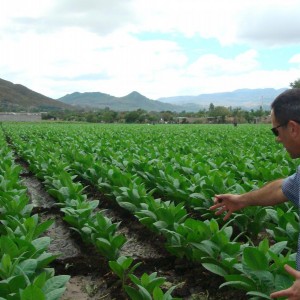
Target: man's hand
(227, 203)
(293, 293)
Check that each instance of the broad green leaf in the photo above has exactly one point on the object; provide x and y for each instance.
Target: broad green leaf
(255, 259)
(157, 282)
(264, 246)
(27, 267)
(241, 285)
(116, 268)
(240, 281)
(55, 283)
(32, 293)
(231, 248)
(41, 228)
(4, 288)
(258, 294)
(264, 280)
(132, 293)
(128, 206)
(278, 247)
(158, 294)
(8, 246)
(125, 261)
(40, 280)
(55, 294)
(41, 243)
(118, 241)
(45, 259)
(283, 282)
(144, 293)
(216, 269)
(17, 282)
(6, 264)
(160, 225)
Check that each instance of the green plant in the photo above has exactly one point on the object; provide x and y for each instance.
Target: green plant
(261, 270)
(148, 288)
(123, 267)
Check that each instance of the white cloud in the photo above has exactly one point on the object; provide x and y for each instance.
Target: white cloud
(99, 16)
(213, 65)
(57, 47)
(269, 22)
(207, 18)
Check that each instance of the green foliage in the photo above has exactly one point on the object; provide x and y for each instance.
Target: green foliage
(123, 268)
(261, 269)
(167, 176)
(24, 260)
(148, 287)
(295, 84)
(284, 225)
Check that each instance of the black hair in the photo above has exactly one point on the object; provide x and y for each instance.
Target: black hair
(286, 106)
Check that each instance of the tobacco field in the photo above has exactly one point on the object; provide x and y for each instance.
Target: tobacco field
(110, 211)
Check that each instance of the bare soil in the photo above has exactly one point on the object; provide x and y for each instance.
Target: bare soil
(91, 277)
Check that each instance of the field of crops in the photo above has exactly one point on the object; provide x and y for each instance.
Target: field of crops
(98, 211)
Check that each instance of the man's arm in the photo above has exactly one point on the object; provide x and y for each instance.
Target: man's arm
(269, 195)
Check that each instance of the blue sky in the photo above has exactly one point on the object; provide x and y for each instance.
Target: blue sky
(158, 48)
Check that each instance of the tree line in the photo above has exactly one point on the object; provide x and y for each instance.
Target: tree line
(214, 114)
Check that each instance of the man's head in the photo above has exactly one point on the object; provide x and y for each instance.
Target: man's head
(286, 120)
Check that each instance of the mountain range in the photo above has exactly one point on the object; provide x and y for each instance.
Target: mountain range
(245, 98)
(16, 97)
(132, 101)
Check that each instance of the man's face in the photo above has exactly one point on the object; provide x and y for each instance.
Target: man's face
(286, 137)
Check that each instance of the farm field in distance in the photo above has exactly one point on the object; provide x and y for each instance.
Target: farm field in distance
(130, 209)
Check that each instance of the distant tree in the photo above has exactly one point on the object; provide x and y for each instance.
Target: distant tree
(92, 118)
(167, 116)
(132, 117)
(201, 113)
(48, 116)
(211, 107)
(248, 116)
(259, 112)
(142, 118)
(236, 112)
(153, 117)
(109, 116)
(219, 111)
(295, 84)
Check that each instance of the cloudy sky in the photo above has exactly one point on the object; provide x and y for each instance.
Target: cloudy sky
(159, 48)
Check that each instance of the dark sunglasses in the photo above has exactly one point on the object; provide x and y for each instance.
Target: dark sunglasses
(275, 130)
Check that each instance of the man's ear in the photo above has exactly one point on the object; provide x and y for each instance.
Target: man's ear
(294, 129)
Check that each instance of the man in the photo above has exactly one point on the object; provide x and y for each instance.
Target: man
(285, 116)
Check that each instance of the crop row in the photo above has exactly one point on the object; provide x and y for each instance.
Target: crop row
(24, 260)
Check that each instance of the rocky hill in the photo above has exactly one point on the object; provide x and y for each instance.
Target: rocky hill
(16, 97)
